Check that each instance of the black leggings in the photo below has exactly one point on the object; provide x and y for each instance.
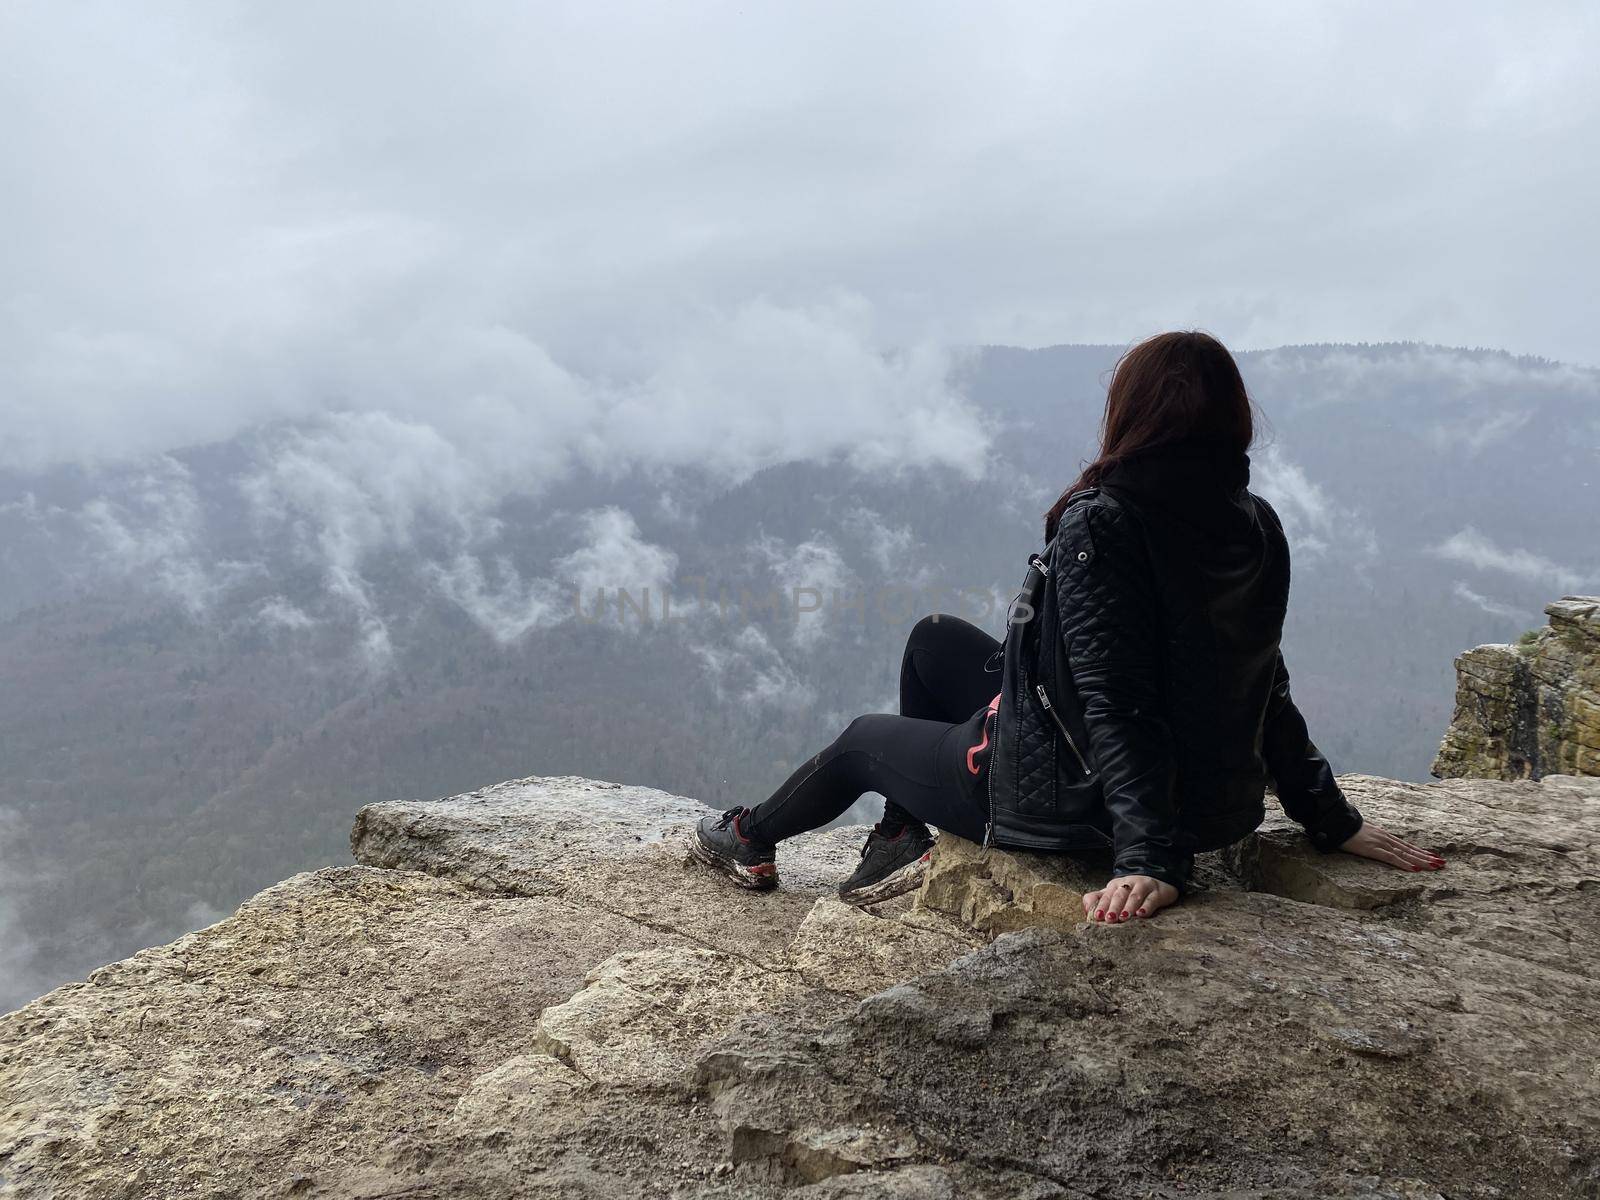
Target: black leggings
(928, 762)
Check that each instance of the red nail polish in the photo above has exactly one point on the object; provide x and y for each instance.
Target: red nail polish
(1099, 914)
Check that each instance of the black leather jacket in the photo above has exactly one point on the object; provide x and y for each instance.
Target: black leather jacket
(1145, 703)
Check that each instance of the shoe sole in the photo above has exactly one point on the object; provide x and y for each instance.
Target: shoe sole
(897, 883)
(761, 878)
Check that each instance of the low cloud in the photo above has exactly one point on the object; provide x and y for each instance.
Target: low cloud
(1313, 522)
(152, 530)
(277, 613)
(613, 556)
(587, 583)
(1473, 549)
(426, 480)
(889, 547)
(1350, 374)
(810, 577)
(749, 669)
(1475, 436)
(1493, 607)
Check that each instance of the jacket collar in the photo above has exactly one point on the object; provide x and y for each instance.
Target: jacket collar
(1198, 481)
(1187, 467)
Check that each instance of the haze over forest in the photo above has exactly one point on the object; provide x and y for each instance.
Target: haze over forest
(340, 349)
(217, 655)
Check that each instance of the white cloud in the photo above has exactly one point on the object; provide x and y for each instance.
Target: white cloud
(1477, 435)
(890, 547)
(218, 216)
(1344, 374)
(1475, 550)
(749, 669)
(1312, 521)
(276, 612)
(1493, 607)
(809, 579)
(589, 583)
(498, 599)
(153, 532)
(615, 559)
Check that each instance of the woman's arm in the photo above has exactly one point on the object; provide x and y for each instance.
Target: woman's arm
(1301, 776)
(1310, 795)
(1109, 616)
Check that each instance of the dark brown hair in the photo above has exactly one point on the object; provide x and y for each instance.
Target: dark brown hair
(1168, 388)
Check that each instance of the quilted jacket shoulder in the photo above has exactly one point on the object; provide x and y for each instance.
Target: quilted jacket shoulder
(1106, 590)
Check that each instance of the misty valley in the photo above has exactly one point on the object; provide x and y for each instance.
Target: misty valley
(214, 657)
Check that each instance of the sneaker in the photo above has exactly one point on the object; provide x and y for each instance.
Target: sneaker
(719, 842)
(890, 866)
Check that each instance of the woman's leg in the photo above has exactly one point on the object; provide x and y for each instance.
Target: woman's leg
(917, 765)
(949, 670)
(922, 762)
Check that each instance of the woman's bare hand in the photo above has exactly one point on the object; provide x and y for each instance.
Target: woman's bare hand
(1128, 896)
(1375, 842)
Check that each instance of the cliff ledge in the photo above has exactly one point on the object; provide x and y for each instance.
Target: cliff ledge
(530, 991)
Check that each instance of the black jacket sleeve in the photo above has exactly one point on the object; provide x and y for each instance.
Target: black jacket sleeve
(1111, 619)
(1301, 777)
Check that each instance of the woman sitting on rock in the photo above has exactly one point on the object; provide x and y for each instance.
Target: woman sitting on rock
(1143, 707)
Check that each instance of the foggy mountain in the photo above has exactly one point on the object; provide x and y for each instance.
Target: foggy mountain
(214, 656)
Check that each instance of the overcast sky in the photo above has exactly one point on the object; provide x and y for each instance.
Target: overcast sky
(218, 214)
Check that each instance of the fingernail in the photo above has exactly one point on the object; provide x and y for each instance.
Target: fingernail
(1099, 914)
(1141, 912)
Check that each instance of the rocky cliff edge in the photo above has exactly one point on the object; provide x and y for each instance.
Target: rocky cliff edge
(1532, 708)
(529, 991)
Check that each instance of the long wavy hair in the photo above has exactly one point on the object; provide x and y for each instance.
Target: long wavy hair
(1173, 387)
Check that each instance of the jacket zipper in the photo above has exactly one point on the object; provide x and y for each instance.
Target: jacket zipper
(1044, 700)
(988, 830)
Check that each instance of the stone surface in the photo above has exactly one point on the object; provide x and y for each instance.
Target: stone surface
(1523, 875)
(1531, 709)
(525, 992)
(510, 1000)
(578, 839)
(1240, 1044)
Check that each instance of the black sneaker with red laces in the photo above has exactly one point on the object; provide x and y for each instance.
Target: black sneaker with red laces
(720, 842)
